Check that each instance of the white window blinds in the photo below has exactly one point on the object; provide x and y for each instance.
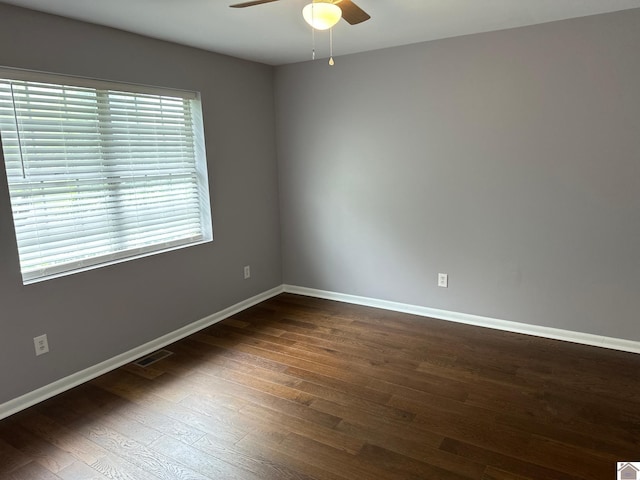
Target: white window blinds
(100, 174)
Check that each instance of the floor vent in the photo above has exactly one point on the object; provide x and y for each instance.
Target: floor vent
(152, 358)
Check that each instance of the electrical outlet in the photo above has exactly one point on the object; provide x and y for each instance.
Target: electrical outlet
(42, 344)
(443, 280)
(247, 272)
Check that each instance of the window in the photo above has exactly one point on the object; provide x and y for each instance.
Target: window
(100, 172)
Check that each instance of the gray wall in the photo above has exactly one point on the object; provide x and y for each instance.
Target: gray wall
(509, 160)
(93, 316)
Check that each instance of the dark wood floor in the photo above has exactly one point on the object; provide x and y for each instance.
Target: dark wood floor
(301, 388)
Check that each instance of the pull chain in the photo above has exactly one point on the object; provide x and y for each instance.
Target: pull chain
(331, 62)
(313, 43)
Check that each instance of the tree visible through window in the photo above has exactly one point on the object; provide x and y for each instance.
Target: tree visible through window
(100, 172)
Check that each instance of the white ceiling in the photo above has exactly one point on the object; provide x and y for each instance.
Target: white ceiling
(276, 34)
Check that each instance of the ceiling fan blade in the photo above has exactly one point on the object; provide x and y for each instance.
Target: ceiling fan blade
(352, 13)
(251, 4)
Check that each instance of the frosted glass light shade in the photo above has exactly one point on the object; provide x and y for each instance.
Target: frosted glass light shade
(322, 15)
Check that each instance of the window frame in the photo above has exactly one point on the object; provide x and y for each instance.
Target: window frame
(196, 167)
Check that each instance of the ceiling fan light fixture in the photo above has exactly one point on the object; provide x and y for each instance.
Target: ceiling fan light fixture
(322, 15)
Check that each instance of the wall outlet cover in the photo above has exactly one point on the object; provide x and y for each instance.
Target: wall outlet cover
(41, 344)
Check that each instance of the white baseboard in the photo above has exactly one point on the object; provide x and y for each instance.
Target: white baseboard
(64, 384)
(67, 383)
(516, 327)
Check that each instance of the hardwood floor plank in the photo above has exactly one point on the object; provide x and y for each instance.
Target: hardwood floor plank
(493, 473)
(505, 462)
(111, 418)
(149, 460)
(286, 424)
(260, 381)
(116, 468)
(335, 461)
(199, 461)
(80, 471)
(428, 387)
(33, 448)
(82, 448)
(214, 355)
(171, 418)
(571, 459)
(295, 404)
(245, 459)
(596, 437)
(420, 446)
(11, 458)
(32, 471)
(410, 468)
(255, 446)
(66, 439)
(329, 380)
(356, 415)
(474, 428)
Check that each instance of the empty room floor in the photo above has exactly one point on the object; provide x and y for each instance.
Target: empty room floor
(303, 388)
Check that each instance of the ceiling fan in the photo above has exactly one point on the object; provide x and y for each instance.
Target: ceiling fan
(352, 13)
